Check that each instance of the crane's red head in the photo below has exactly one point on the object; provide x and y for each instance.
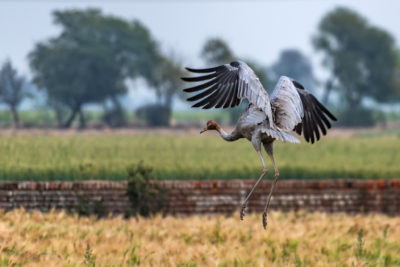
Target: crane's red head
(211, 125)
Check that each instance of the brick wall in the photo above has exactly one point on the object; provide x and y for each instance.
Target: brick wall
(189, 197)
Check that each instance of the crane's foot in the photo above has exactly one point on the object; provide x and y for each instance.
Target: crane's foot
(242, 211)
(264, 220)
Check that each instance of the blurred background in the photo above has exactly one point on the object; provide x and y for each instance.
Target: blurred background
(96, 64)
(74, 74)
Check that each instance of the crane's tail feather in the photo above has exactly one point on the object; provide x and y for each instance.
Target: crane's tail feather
(280, 135)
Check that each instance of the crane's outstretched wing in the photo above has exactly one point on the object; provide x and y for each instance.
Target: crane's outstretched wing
(226, 86)
(297, 109)
(286, 104)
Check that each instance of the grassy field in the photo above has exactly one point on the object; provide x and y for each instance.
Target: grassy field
(192, 157)
(47, 117)
(292, 239)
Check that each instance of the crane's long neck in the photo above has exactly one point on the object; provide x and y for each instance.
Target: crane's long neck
(228, 137)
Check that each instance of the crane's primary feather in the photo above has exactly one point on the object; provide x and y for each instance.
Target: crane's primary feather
(226, 86)
(315, 117)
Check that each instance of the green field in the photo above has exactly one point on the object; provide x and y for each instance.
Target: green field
(81, 157)
(47, 118)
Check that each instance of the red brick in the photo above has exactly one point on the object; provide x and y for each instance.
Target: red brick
(212, 196)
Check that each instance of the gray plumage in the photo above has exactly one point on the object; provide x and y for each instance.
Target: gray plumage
(266, 119)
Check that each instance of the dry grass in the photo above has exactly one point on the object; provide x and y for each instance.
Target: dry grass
(293, 239)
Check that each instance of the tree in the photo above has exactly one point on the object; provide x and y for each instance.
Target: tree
(294, 64)
(217, 52)
(361, 60)
(12, 90)
(114, 116)
(91, 59)
(397, 81)
(166, 83)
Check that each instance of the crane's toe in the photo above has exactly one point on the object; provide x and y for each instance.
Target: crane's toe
(242, 211)
(264, 220)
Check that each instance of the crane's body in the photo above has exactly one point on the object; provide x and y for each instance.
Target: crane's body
(267, 118)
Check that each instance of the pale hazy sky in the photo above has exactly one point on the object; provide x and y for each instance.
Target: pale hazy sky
(254, 29)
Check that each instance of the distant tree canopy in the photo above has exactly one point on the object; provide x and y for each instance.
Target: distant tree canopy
(166, 83)
(166, 80)
(294, 64)
(216, 52)
(360, 57)
(91, 59)
(397, 58)
(12, 89)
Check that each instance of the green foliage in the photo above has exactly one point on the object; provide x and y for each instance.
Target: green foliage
(154, 114)
(91, 58)
(360, 243)
(90, 259)
(87, 208)
(216, 237)
(204, 156)
(134, 259)
(146, 197)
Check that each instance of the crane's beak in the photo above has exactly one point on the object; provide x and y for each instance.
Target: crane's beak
(202, 131)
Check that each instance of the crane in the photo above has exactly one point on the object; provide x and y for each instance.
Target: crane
(267, 118)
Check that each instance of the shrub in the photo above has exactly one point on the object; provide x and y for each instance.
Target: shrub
(114, 117)
(154, 114)
(145, 196)
(357, 116)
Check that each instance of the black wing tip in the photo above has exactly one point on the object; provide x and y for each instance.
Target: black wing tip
(190, 69)
(324, 109)
(200, 78)
(189, 90)
(330, 115)
(298, 85)
(187, 79)
(207, 70)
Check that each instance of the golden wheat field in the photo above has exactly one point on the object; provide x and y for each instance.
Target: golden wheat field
(292, 239)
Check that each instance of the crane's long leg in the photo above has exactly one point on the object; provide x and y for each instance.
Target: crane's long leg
(242, 210)
(276, 176)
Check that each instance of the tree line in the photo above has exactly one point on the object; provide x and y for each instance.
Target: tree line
(96, 56)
